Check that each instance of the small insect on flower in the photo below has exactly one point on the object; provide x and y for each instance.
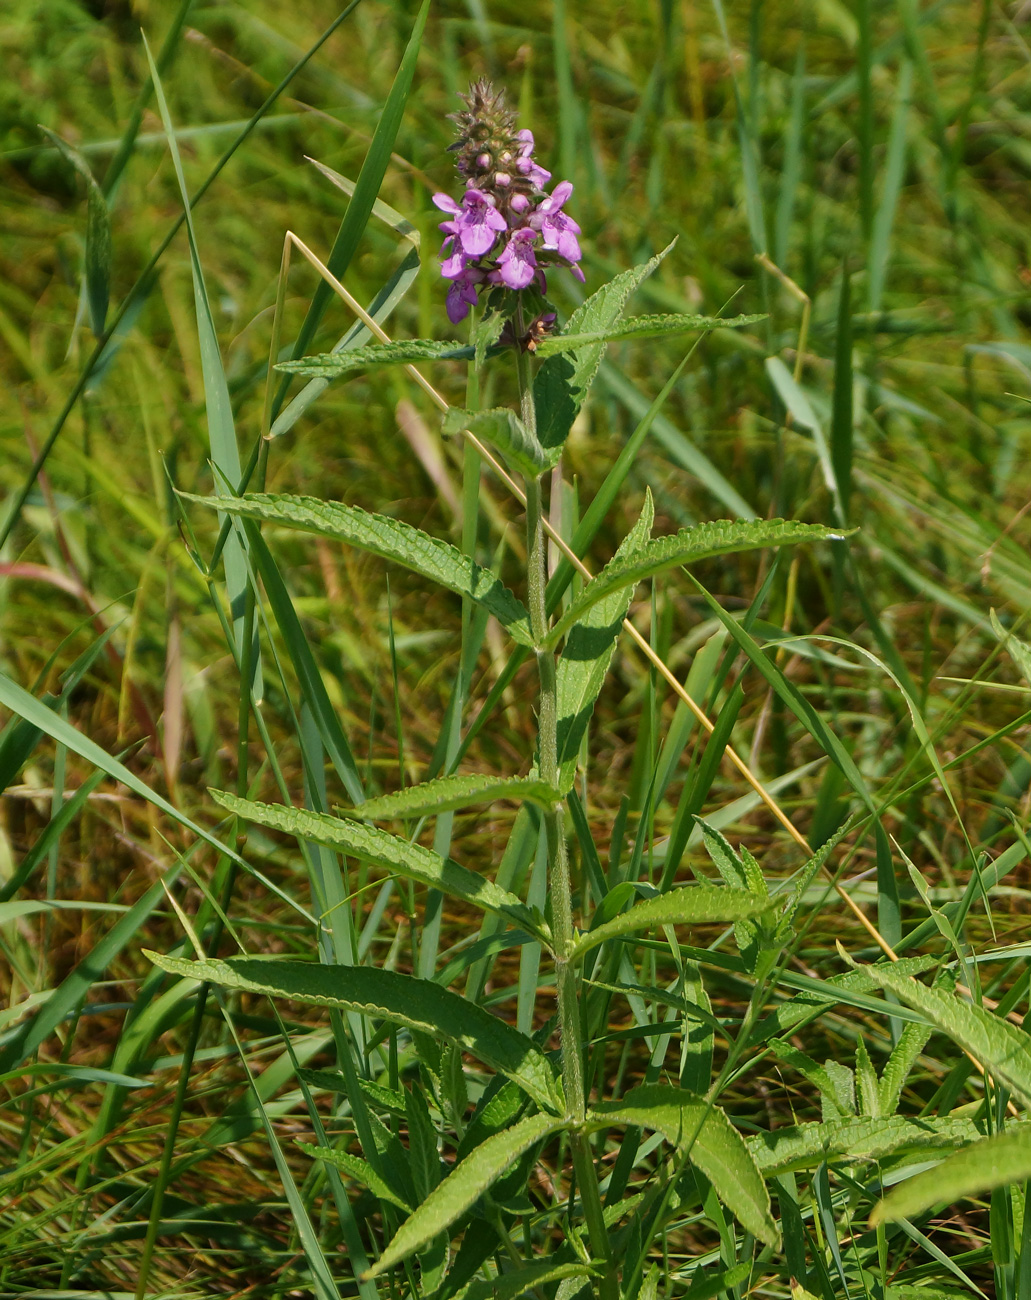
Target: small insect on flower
(506, 230)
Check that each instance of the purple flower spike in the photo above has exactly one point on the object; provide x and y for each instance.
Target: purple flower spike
(478, 223)
(517, 263)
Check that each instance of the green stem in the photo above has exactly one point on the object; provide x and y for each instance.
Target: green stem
(559, 883)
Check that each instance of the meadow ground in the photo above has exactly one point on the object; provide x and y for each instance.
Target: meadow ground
(855, 173)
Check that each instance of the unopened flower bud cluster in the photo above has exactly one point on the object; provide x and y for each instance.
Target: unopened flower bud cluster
(506, 229)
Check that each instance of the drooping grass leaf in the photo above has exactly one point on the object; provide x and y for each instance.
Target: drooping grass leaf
(639, 327)
(808, 1145)
(980, 1167)
(563, 380)
(331, 365)
(721, 537)
(98, 236)
(692, 905)
(1002, 1048)
(464, 1186)
(450, 792)
(370, 844)
(702, 1130)
(588, 652)
(504, 430)
(392, 540)
(419, 1005)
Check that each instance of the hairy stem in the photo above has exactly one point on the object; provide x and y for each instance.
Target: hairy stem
(559, 883)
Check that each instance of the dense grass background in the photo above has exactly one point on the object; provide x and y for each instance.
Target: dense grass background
(885, 141)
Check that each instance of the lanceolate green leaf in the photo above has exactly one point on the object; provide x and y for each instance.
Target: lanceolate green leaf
(587, 654)
(370, 844)
(721, 537)
(995, 1162)
(391, 539)
(692, 905)
(1002, 1048)
(357, 1169)
(331, 365)
(504, 430)
(450, 792)
(694, 1126)
(792, 1149)
(419, 1005)
(464, 1186)
(562, 381)
(640, 327)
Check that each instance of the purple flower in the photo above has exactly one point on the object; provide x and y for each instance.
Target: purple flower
(461, 295)
(525, 164)
(558, 230)
(517, 263)
(477, 222)
(455, 261)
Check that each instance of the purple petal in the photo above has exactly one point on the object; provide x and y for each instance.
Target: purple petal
(568, 247)
(517, 273)
(476, 238)
(446, 203)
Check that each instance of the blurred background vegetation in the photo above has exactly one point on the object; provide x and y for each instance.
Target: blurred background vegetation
(886, 141)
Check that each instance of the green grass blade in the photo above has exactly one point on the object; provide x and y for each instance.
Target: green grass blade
(366, 191)
(98, 237)
(894, 174)
(807, 1146)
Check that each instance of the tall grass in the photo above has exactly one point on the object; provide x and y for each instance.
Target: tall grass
(854, 176)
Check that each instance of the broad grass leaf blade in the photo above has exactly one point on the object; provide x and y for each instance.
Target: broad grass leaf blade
(585, 659)
(692, 905)
(448, 793)
(225, 453)
(504, 430)
(392, 540)
(996, 1162)
(366, 191)
(1002, 1048)
(370, 844)
(703, 1132)
(640, 327)
(98, 236)
(333, 365)
(807, 1146)
(419, 1005)
(464, 1186)
(650, 558)
(509, 1286)
(562, 381)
